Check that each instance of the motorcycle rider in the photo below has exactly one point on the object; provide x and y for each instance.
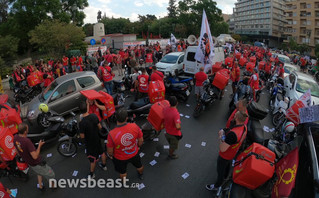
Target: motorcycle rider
(254, 82)
(200, 78)
(142, 83)
(230, 140)
(235, 76)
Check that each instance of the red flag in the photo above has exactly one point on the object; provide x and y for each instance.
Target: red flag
(286, 170)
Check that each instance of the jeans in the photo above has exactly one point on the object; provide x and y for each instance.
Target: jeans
(109, 87)
(95, 69)
(222, 170)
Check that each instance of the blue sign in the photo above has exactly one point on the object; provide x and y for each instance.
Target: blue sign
(103, 41)
(92, 41)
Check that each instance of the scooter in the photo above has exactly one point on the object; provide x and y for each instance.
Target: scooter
(178, 89)
(141, 106)
(69, 140)
(16, 168)
(210, 95)
(279, 111)
(119, 86)
(243, 92)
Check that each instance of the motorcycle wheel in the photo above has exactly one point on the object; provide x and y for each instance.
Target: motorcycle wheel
(67, 148)
(43, 120)
(198, 110)
(276, 118)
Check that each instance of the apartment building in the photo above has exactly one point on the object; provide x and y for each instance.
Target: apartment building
(303, 22)
(261, 20)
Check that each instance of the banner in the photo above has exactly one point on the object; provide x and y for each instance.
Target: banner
(286, 170)
(309, 114)
(133, 44)
(293, 111)
(205, 49)
(91, 50)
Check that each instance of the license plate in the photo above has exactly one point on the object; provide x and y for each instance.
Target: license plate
(187, 93)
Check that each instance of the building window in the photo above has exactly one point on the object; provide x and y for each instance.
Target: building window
(295, 22)
(317, 41)
(308, 22)
(308, 6)
(294, 14)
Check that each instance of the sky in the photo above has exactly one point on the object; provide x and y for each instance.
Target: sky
(132, 8)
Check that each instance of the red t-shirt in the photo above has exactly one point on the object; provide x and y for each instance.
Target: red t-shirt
(124, 141)
(94, 109)
(200, 78)
(65, 61)
(171, 118)
(143, 83)
(73, 61)
(80, 61)
(157, 75)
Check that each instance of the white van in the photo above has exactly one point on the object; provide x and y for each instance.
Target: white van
(191, 66)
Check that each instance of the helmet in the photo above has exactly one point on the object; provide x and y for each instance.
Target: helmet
(289, 127)
(43, 108)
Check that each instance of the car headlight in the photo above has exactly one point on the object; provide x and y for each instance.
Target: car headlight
(31, 114)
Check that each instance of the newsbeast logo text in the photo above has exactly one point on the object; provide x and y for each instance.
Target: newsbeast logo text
(92, 183)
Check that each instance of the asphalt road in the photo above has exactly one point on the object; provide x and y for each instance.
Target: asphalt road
(164, 179)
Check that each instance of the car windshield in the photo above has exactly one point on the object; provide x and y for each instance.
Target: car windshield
(47, 92)
(284, 60)
(169, 59)
(304, 85)
(288, 70)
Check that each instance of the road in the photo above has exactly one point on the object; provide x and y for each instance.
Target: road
(164, 179)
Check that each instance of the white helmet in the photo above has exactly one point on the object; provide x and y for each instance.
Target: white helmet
(289, 127)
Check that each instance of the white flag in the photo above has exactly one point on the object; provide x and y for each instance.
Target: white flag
(172, 40)
(205, 49)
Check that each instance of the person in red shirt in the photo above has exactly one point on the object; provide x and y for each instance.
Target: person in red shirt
(172, 124)
(235, 76)
(95, 108)
(142, 83)
(65, 62)
(240, 106)
(200, 78)
(254, 82)
(156, 75)
(80, 60)
(73, 63)
(123, 144)
(106, 75)
(149, 58)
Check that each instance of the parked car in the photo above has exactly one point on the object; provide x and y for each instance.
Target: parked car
(63, 94)
(289, 68)
(296, 84)
(282, 58)
(170, 62)
(307, 179)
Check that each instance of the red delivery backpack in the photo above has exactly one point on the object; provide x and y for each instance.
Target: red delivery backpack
(33, 79)
(108, 101)
(250, 67)
(156, 91)
(229, 61)
(217, 66)
(238, 55)
(10, 118)
(252, 59)
(254, 166)
(156, 116)
(261, 65)
(242, 61)
(221, 79)
(7, 150)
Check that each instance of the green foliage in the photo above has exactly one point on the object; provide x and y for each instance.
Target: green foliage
(88, 29)
(237, 37)
(54, 37)
(113, 25)
(8, 50)
(293, 45)
(303, 48)
(172, 9)
(284, 46)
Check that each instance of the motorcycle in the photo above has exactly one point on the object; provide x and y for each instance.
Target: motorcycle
(211, 93)
(280, 108)
(47, 119)
(141, 106)
(243, 92)
(69, 140)
(16, 168)
(23, 95)
(178, 89)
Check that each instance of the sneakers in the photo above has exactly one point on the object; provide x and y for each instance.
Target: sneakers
(174, 156)
(212, 187)
(41, 189)
(91, 176)
(102, 166)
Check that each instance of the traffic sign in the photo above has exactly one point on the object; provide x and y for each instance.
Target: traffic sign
(92, 41)
(103, 41)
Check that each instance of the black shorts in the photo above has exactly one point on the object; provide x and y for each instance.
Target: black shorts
(93, 157)
(121, 165)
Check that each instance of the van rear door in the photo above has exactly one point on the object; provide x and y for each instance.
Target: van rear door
(191, 66)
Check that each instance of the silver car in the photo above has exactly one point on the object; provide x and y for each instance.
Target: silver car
(63, 94)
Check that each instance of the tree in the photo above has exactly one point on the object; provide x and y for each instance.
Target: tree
(88, 29)
(8, 51)
(4, 6)
(116, 25)
(292, 44)
(74, 10)
(317, 51)
(237, 37)
(172, 9)
(54, 37)
(303, 48)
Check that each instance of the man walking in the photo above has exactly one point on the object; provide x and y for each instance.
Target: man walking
(123, 144)
(172, 124)
(105, 73)
(200, 78)
(230, 140)
(31, 155)
(89, 130)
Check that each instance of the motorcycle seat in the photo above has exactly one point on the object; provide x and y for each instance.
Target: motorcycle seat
(178, 85)
(255, 131)
(139, 103)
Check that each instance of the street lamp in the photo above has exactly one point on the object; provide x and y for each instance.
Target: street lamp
(148, 34)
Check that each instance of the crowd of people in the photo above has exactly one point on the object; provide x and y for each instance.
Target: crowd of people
(123, 142)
